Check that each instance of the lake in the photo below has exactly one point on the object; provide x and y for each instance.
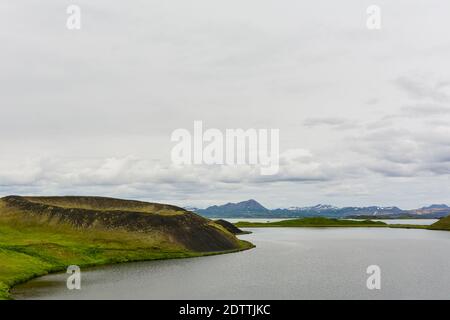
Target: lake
(288, 263)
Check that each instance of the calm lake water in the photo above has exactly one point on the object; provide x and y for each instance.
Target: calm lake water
(288, 263)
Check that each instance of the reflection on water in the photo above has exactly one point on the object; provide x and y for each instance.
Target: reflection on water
(288, 263)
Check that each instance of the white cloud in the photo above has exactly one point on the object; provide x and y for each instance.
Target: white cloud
(421, 89)
(91, 112)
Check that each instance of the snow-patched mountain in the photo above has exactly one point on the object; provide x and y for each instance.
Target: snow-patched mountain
(436, 210)
(253, 209)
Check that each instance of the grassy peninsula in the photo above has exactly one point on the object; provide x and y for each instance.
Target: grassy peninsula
(319, 222)
(442, 224)
(311, 222)
(39, 235)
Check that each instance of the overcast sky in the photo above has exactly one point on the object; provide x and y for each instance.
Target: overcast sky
(364, 115)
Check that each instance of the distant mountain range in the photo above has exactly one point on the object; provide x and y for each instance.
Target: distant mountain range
(253, 209)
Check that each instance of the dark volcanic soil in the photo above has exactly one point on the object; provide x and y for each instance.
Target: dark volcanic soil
(230, 227)
(188, 229)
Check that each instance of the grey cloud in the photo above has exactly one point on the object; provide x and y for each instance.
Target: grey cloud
(89, 109)
(425, 110)
(422, 90)
(336, 123)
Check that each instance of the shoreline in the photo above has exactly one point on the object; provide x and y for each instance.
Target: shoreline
(322, 222)
(391, 226)
(244, 257)
(42, 235)
(5, 292)
(394, 226)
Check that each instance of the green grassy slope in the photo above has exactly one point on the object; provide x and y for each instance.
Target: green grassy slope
(107, 204)
(38, 237)
(442, 224)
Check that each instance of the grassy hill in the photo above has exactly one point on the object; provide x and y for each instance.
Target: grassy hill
(44, 234)
(442, 224)
(319, 222)
(313, 222)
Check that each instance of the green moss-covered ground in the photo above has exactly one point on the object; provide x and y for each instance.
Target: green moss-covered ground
(442, 224)
(30, 251)
(35, 243)
(319, 222)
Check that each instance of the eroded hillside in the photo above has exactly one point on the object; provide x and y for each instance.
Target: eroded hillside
(46, 234)
(169, 222)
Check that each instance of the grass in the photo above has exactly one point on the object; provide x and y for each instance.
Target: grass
(34, 247)
(107, 204)
(311, 222)
(409, 226)
(31, 251)
(442, 224)
(319, 222)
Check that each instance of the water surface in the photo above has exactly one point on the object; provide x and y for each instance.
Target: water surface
(288, 263)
